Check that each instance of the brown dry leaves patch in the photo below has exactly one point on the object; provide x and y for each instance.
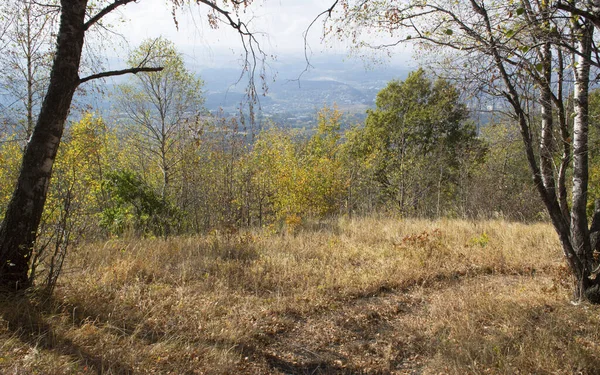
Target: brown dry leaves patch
(367, 296)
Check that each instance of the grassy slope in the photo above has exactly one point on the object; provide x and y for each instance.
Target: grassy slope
(364, 296)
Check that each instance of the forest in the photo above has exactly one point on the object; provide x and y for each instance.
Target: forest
(420, 240)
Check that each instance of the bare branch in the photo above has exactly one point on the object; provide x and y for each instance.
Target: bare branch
(307, 31)
(104, 12)
(113, 73)
(254, 55)
(47, 5)
(579, 12)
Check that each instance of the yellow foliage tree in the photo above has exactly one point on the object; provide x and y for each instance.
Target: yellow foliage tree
(297, 179)
(327, 178)
(76, 195)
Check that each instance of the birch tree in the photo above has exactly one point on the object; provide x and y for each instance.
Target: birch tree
(162, 107)
(524, 53)
(26, 59)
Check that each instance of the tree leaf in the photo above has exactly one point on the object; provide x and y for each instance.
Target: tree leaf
(539, 67)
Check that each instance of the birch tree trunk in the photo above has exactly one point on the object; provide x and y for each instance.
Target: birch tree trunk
(580, 234)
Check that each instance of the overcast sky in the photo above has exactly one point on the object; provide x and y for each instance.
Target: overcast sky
(280, 24)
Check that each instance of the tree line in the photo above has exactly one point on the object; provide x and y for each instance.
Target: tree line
(165, 167)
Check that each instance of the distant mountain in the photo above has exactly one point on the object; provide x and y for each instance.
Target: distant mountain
(295, 91)
(299, 89)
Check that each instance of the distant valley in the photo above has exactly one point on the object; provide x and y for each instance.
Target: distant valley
(295, 96)
(294, 92)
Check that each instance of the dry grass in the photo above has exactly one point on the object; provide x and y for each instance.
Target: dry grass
(372, 296)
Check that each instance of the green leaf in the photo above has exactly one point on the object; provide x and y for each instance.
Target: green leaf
(520, 11)
(539, 67)
(449, 32)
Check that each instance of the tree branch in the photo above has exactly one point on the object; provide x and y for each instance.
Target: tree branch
(104, 12)
(226, 14)
(579, 12)
(113, 73)
(326, 12)
(252, 48)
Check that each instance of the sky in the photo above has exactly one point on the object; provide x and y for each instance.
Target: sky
(279, 25)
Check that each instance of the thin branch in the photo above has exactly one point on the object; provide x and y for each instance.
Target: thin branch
(327, 12)
(239, 25)
(104, 12)
(47, 5)
(253, 53)
(113, 73)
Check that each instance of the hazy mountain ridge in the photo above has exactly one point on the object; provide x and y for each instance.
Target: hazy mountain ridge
(328, 81)
(295, 91)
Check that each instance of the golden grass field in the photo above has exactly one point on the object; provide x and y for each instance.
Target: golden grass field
(361, 296)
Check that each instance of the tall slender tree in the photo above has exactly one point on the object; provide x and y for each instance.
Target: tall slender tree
(162, 107)
(26, 59)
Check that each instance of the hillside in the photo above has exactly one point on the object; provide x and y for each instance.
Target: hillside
(362, 296)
